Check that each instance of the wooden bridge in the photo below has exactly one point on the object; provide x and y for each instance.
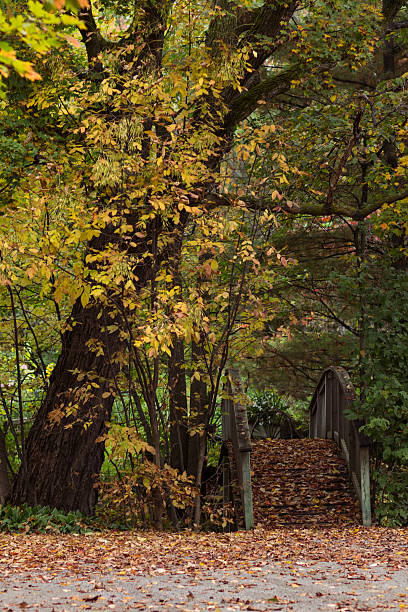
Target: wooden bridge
(324, 479)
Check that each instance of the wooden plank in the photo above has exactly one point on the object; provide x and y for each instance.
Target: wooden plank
(240, 414)
(337, 413)
(319, 415)
(324, 409)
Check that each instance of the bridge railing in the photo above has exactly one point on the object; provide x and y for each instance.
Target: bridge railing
(334, 394)
(235, 429)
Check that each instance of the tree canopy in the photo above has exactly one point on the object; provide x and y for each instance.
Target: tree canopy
(187, 185)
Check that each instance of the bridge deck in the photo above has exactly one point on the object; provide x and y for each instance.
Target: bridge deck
(301, 483)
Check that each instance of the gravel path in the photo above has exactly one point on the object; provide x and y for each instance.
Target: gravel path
(299, 586)
(351, 568)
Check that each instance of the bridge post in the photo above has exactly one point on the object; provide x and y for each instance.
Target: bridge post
(336, 402)
(243, 448)
(226, 435)
(365, 486)
(235, 429)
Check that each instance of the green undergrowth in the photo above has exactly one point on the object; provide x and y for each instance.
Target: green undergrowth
(39, 519)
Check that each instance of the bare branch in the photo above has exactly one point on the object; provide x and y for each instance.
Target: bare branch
(334, 178)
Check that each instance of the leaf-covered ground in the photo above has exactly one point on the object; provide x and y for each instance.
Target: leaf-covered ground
(308, 552)
(351, 568)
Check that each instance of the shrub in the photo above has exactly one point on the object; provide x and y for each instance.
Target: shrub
(279, 416)
(43, 519)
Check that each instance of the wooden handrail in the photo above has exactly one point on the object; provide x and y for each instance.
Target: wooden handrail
(335, 394)
(235, 429)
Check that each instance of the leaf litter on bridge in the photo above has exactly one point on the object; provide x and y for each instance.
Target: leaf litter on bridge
(301, 483)
(263, 569)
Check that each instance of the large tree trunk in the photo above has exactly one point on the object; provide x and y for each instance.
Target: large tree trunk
(178, 407)
(198, 414)
(63, 453)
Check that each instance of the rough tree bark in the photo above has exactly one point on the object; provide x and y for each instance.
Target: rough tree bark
(178, 407)
(63, 455)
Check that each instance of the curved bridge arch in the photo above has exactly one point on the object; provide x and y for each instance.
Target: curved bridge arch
(335, 394)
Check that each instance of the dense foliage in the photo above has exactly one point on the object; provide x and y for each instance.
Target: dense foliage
(384, 404)
(186, 185)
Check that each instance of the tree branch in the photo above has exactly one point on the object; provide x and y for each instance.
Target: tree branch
(376, 204)
(148, 27)
(259, 28)
(91, 37)
(310, 209)
(335, 176)
(397, 25)
(270, 87)
(390, 8)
